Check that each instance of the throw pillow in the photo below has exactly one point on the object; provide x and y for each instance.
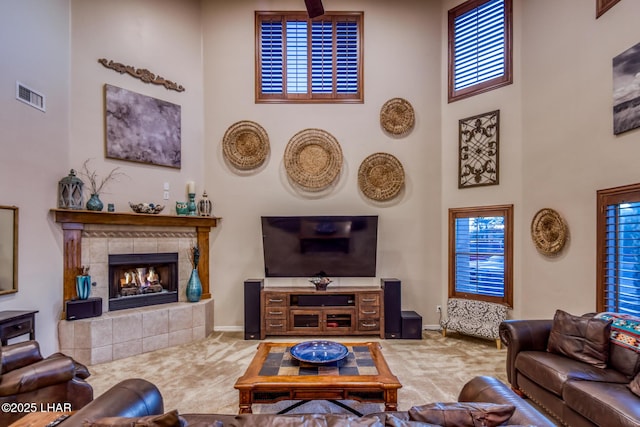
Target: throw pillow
(634, 385)
(462, 414)
(170, 419)
(585, 339)
(624, 352)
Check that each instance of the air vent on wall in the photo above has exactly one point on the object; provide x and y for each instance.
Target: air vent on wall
(30, 96)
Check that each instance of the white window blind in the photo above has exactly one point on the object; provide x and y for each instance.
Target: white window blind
(479, 44)
(271, 60)
(480, 256)
(622, 258)
(309, 59)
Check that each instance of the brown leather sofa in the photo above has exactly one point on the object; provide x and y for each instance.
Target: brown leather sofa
(576, 393)
(137, 398)
(30, 383)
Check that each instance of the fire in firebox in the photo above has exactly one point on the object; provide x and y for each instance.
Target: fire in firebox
(140, 280)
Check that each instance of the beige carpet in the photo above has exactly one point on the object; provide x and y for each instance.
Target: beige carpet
(199, 377)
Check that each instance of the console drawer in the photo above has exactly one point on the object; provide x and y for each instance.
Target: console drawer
(368, 325)
(369, 312)
(275, 299)
(369, 299)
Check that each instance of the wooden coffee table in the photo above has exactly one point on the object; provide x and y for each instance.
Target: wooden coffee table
(274, 375)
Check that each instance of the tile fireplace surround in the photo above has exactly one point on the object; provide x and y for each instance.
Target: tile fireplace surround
(89, 240)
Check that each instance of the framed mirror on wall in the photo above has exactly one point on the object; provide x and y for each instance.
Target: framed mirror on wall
(8, 249)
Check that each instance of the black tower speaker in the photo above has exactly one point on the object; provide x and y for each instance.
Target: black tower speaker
(314, 8)
(252, 316)
(392, 308)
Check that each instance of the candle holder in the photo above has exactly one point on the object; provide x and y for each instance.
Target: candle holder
(191, 205)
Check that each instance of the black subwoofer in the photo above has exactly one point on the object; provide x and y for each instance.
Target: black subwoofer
(252, 288)
(84, 308)
(392, 308)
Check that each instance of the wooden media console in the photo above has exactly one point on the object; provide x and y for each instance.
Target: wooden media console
(344, 311)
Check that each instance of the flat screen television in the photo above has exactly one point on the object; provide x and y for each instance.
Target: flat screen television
(308, 246)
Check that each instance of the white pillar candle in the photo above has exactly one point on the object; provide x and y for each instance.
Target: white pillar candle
(191, 187)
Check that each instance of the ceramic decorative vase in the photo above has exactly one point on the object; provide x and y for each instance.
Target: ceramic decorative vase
(94, 203)
(194, 287)
(83, 286)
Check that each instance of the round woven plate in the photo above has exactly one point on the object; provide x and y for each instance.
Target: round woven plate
(380, 176)
(548, 231)
(245, 145)
(397, 116)
(313, 159)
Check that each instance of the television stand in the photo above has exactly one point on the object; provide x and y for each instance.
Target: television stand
(309, 312)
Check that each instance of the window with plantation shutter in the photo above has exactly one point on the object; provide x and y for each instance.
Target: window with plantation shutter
(618, 240)
(479, 47)
(481, 254)
(303, 60)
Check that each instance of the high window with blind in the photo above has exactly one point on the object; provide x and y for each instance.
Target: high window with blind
(618, 241)
(481, 253)
(480, 40)
(303, 60)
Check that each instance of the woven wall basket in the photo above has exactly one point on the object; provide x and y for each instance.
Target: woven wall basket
(380, 176)
(549, 232)
(313, 159)
(397, 116)
(245, 145)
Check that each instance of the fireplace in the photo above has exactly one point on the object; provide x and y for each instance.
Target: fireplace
(139, 280)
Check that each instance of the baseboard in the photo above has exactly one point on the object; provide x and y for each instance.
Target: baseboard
(228, 328)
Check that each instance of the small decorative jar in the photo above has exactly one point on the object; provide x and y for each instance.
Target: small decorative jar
(205, 207)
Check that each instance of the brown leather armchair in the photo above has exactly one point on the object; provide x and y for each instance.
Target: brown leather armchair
(30, 383)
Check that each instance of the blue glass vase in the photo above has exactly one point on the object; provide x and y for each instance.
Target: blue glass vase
(83, 286)
(194, 287)
(94, 203)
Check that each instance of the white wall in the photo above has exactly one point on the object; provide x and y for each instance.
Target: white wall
(35, 151)
(401, 54)
(569, 150)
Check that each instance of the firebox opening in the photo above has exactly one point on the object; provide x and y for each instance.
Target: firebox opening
(139, 280)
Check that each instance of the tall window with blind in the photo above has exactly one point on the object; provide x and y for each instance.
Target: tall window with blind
(481, 253)
(618, 240)
(303, 60)
(480, 40)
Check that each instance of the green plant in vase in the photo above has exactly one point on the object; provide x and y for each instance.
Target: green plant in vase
(94, 203)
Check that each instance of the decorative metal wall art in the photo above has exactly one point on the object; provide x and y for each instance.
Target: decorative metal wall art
(549, 231)
(478, 150)
(141, 128)
(142, 74)
(626, 91)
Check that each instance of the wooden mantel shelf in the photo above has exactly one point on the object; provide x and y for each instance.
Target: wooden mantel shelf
(120, 218)
(73, 222)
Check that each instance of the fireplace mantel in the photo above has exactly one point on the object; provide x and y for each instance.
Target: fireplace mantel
(73, 222)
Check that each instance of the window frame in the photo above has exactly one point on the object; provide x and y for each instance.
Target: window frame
(606, 197)
(506, 211)
(494, 83)
(309, 97)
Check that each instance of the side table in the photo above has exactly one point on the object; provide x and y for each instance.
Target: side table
(14, 323)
